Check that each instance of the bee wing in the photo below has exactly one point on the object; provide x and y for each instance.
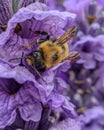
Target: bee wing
(73, 56)
(71, 32)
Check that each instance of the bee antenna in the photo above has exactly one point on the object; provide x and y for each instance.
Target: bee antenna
(21, 63)
(35, 32)
(14, 59)
(39, 74)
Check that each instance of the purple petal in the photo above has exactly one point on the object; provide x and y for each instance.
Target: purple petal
(101, 2)
(90, 62)
(94, 113)
(94, 126)
(18, 73)
(7, 105)
(34, 90)
(9, 128)
(94, 29)
(56, 100)
(63, 67)
(18, 94)
(68, 124)
(24, 3)
(69, 108)
(90, 49)
(60, 84)
(94, 118)
(5, 12)
(55, 4)
(11, 100)
(78, 8)
(99, 54)
(42, 90)
(51, 4)
(30, 110)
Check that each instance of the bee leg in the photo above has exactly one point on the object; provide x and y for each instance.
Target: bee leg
(18, 28)
(3, 27)
(73, 57)
(38, 41)
(41, 32)
(41, 41)
(14, 59)
(34, 68)
(44, 33)
(21, 62)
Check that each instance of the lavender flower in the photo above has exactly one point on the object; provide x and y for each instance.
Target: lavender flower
(20, 88)
(16, 88)
(101, 2)
(68, 124)
(10, 7)
(78, 8)
(86, 77)
(89, 40)
(6, 12)
(91, 50)
(94, 118)
(55, 4)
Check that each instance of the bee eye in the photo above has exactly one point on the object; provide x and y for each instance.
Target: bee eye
(36, 54)
(55, 57)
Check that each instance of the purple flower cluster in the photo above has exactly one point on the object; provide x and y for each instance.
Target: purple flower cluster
(86, 82)
(26, 101)
(68, 96)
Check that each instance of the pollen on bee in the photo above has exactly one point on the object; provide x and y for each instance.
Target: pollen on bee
(29, 61)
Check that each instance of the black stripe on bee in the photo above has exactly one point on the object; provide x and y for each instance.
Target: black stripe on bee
(63, 48)
(49, 45)
(55, 56)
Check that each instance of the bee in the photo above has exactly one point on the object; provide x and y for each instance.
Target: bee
(17, 29)
(50, 53)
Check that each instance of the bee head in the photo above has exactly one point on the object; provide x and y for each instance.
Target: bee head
(35, 59)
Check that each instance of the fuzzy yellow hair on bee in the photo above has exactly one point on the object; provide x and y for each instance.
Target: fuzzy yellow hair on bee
(57, 51)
